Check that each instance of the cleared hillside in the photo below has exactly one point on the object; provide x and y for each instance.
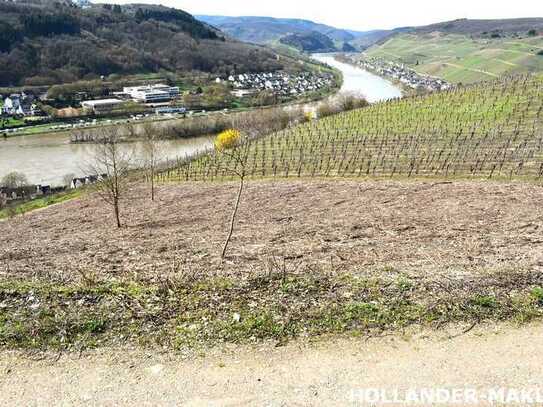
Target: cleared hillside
(489, 130)
(307, 258)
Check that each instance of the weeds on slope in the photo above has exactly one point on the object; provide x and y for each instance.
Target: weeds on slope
(282, 304)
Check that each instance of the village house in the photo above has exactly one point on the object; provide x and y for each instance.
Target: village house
(88, 180)
(280, 83)
(19, 104)
(27, 192)
(20, 193)
(408, 77)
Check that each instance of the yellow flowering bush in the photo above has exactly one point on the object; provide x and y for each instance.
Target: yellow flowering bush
(309, 116)
(227, 139)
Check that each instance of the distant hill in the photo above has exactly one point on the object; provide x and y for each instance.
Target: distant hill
(309, 42)
(467, 51)
(484, 27)
(263, 30)
(45, 42)
(367, 39)
(269, 30)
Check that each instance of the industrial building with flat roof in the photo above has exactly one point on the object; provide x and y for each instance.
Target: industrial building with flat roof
(101, 105)
(152, 93)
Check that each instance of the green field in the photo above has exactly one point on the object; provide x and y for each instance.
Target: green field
(10, 122)
(489, 130)
(40, 203)
(458, 58)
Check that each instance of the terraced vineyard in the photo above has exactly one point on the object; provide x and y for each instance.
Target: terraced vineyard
(491, 130)
(462, 58)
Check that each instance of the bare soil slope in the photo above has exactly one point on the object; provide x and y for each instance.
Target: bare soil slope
(308, 258)
(417, 228)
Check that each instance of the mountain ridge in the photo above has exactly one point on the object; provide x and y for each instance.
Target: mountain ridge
(271, 30)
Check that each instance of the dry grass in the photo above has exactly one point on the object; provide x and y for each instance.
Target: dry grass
(417, 228)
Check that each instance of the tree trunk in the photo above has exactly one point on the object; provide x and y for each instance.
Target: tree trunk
(116, 208)
(233, 220)
(152, 185)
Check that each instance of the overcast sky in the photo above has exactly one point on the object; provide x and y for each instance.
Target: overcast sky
(359, 15)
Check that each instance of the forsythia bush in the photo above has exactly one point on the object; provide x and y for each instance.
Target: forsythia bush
(309, 116)
(227, 139)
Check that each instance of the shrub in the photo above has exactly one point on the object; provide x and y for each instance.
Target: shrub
(537, 293)
(326, 109)
(227, 139)
(14, 180)
(349, 102)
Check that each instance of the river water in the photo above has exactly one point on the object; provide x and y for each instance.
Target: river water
(46, 159)
(373, 87)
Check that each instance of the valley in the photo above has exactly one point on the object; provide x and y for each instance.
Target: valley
(308, 258)
(47, 158)
(211, 210)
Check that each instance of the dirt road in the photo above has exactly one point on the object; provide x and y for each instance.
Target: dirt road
(298, 374)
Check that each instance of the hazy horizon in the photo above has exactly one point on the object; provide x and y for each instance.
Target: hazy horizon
(371, 16)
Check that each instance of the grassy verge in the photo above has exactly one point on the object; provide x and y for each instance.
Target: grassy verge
(39, 203)
(188, 312)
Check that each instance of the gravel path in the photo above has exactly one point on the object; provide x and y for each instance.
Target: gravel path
(295, 375)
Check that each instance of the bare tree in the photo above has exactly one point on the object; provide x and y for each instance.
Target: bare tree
(152, 154)
(14, 180)
(111, 163)
(232, 153)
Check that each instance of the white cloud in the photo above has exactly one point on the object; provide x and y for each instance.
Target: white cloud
(360, 15)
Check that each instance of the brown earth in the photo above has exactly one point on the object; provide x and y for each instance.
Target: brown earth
(417, 228)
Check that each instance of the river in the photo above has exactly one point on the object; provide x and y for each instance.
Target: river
(46, 159)
(373, 87)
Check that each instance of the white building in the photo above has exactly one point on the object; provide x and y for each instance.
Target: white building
(152, 93)
(101, 105)
(82, 3)
(12, 104)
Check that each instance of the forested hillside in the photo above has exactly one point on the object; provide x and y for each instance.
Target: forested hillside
(43, 42)
(309, 42)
